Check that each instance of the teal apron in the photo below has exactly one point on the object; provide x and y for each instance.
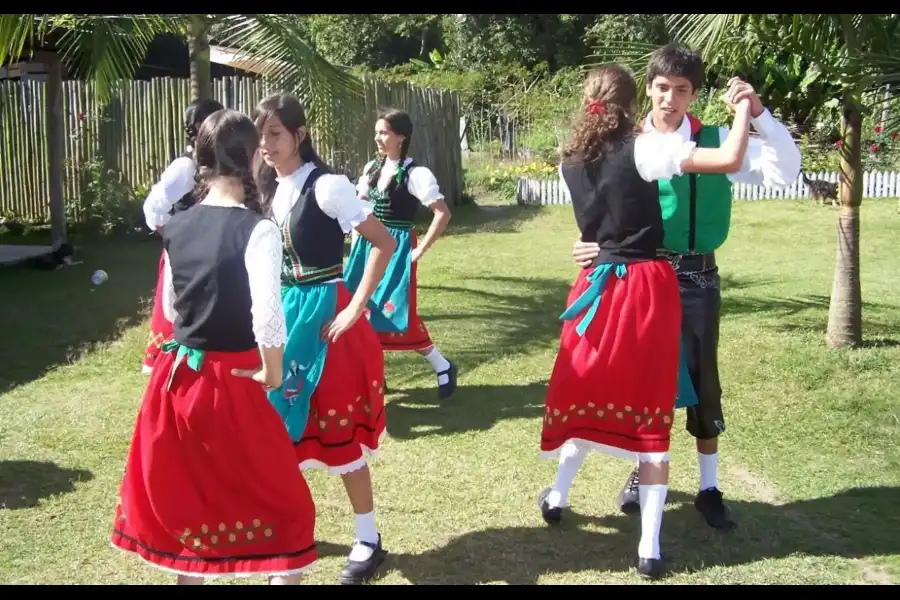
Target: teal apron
(590, 300)
(389, 305)
(307, 308)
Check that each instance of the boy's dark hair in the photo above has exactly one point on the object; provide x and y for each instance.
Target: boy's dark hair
(675, 60)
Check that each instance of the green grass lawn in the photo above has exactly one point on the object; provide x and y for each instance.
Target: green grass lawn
(810, 462)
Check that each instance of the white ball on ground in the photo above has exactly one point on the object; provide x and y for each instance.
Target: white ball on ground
(99, 277)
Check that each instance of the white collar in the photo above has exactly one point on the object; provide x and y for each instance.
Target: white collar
(298, 177)
(394, 163)
(684, 130)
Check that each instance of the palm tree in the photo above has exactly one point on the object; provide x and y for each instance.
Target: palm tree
(840, 46)
(110, 48)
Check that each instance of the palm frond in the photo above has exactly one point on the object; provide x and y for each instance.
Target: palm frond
(275, 45)
(107, 49)
(16, 34)
(634, 55)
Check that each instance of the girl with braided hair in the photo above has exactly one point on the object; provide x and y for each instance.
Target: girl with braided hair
(332, 397)
(174, 192)
(211, 486)
(397, 186)
(615, 379)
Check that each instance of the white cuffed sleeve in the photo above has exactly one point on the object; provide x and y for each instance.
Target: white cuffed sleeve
(423, 185)
(659, 155)
(176, 181)
(337, 198)
(263, 258)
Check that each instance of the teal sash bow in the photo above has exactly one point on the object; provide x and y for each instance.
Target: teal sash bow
(192, 356)
(591, 296)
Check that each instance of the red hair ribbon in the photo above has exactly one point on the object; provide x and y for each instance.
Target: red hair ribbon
(596, 108)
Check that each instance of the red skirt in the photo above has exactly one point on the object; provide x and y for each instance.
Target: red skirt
(211, 485)
(160, 328)
(346, 413)
(416, 336)
(615, 386)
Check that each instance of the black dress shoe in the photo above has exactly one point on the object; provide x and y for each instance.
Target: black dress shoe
(552, 516)
(630, 497)
(710, 504)
(651, 568)
(446, 390)
(360, 572)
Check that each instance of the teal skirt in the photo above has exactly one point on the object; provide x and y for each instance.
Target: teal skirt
(307, 308)
(390, 303)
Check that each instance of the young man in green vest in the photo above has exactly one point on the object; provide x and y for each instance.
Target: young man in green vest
(697, 215)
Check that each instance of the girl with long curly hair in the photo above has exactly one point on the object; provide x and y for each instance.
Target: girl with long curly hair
(614, 383)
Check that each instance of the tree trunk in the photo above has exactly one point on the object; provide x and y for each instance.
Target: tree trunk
(201, 68)
(845, 310)
(55, 147)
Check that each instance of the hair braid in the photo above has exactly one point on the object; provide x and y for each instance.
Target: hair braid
(375, 171)
(401, 168)
(251, 193)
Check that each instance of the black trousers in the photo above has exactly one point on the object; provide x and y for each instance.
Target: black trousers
(701, 304)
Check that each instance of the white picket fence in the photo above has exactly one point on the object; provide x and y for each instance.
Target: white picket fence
(876, 184)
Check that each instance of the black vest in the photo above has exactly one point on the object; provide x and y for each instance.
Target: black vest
(615, 207)
(186, 201)
(400, 208)
(206, 249)
(313, 241)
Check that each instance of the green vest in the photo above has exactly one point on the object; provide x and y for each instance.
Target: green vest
(696, 209)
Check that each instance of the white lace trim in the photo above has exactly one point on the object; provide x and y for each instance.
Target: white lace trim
(168, 296)
(242, 575)
(263, 261)
(356, 465)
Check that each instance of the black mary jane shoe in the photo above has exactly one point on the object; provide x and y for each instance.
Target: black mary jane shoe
(446, 390)
(651, 568)
(361, 572)
(551, 515)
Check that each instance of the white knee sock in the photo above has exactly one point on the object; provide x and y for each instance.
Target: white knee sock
(365, 532)
(709, 471)
(570, 460)
(653, 499)
(439, 363)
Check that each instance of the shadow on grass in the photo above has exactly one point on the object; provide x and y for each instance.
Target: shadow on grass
(853, 524)
(24, 483)
(50, 317)
(418, 412)
(787, 311)
(522, 317)
(487, 218)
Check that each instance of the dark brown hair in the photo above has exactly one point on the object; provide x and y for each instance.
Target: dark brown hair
(675, 60)
(401, 124)
(194, 115)
(613, 91)
(226, 146)
(290, 112)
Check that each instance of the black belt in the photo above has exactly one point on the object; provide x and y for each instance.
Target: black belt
(690, 262)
